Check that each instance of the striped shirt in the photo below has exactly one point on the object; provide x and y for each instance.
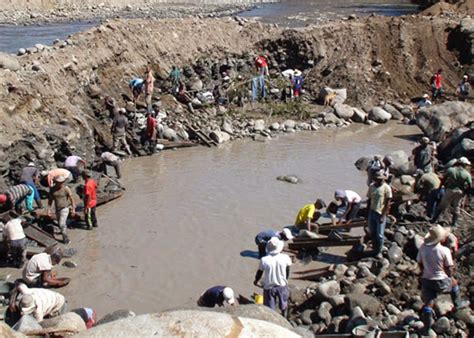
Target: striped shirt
(18, 192)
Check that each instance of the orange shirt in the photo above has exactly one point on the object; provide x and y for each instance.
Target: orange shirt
(90, 191)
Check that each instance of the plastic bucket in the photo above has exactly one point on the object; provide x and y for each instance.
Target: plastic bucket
(364, 331)
(258, 299)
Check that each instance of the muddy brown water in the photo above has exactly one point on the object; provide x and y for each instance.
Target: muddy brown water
(188, 215)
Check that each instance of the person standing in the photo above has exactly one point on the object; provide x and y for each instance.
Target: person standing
(15, 238)
(457, 182)
(352, 201)
(423, 156)
(464, 88)
(378, 204)
(436, 84)
(62, 198)
(217, 295)
(263, 237)
(90, 200)
(119, 131)
(149, 85)
(174, 77)
(437, 269)
(309, 214)
(30, 176)
(275, 269)
(151, 126)
(297, 83)
(261, 64)
(72, 164)
(13, 197)
(110, 159)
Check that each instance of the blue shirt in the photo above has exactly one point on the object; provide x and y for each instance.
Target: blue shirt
(136, 83)
(214, 296)
(265, 236)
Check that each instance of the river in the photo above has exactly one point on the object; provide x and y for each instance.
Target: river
(187, 215)
(293, 13)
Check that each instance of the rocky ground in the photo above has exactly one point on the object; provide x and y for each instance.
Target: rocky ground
(103, 11)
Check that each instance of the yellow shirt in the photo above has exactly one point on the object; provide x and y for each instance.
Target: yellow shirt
(305, 212)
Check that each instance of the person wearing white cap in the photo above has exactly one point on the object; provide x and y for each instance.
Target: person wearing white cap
(437, 266)
(352, 201)
(14, 237)
(378, 203)
(275, 269)
(464, 88)
(457, 182)
(423, 155)
(62, 198)
(217, 295)
(30, 176)
(41, 303)
(424, 102)
(263, 237)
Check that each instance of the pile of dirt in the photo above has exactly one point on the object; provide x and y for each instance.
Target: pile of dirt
(445, 8)
(51, 97)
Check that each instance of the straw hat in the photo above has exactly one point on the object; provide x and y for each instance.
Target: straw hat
(436, 234)
(27, 304)
(228, 294)
(274, 246)
(464, 160)
(60, 179)
(287, 233)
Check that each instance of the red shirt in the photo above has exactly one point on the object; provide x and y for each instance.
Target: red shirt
(437, 81)
(150, 126)
(90, 191)
(261, 62)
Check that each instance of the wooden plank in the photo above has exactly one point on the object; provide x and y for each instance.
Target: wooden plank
(325, 243)
(202, 136)
(40, 236)
(328, 228)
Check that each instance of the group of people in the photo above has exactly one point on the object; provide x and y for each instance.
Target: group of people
(463, 89)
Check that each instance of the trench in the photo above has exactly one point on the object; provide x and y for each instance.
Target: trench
(189, 216)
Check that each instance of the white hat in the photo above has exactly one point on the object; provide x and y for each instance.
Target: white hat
(426, 96)
(31, 164)
(27, 304)
(287, 233)
(297, 72)
(425, 140)
(44, 173)
(464, 160)
(59, 179)
(274, 246)
(228, 294)
(465, 77)
(436, 234)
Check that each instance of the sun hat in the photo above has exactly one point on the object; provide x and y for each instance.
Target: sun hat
(228, 294)
(27, 304)
(297, 72)
(60, 179)
(274, 246)
(465, 77)
(31, 164)
(464, 160)
(436, 234)
(425, 140)
(287, 233)
(44, 173)
(340, 194)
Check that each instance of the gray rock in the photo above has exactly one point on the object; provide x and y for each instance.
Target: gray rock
(356, 287)
(306, 316)
(70, 323)
(328, 289)
(259, 125)
(289, 124)
(116, 315)
(227, 127)
(384, 288)
(443, 305)
(170, 134)
(10, 62)
(256, 312)
(219, 136)
(289, 178)
(183, 134)
(331, 118)
(392, 309)
(343, 111)
(396, 115)
(26, 324)
(21, 51)
(7, 332)
(370, 305)
(438, 120)
(465, 315)
(337, 300)
(442, 325)
(359, 115)
(39, 47)
(362, 163)
(379, 115)
(402, 165)
(275, 126)
(324, 312)
(297, 294)
(395, 253)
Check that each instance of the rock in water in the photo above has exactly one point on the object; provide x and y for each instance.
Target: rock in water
(10, 62)
(70, 264)
(343, 111)
(289, 178)
(219, 136)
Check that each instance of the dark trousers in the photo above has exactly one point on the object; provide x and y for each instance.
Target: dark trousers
(91, 219)
(116, 166)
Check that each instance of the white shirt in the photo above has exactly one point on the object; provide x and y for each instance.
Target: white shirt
(47, 302)
(274, 270)
(107, 156)
(352, 196)
(71, 161)
(36, 265)
(435, 259)
(13, 230)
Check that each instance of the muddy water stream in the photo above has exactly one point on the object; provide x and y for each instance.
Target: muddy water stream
(187, 215)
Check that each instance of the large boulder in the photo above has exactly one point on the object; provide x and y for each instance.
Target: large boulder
(369, 304)
(259, 125)
(219, 136)
(343, 111)
(402, 165)
(170, 134)
(396, 115)
(10, 62)
(256, 312)
(379, 115)
(438, 120)
(332, 119)
(7, 332)
(116, 315)
(341, 94)
(188, 323)
(363, 163)
(64, 325)
(289, 124)
(359, 115)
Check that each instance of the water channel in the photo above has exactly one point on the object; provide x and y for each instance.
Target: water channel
(187, 215)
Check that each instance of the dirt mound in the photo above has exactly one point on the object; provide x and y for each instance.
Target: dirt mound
(54, 101)
(463, 7)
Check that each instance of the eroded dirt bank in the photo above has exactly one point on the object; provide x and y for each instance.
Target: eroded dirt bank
(51, 99)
